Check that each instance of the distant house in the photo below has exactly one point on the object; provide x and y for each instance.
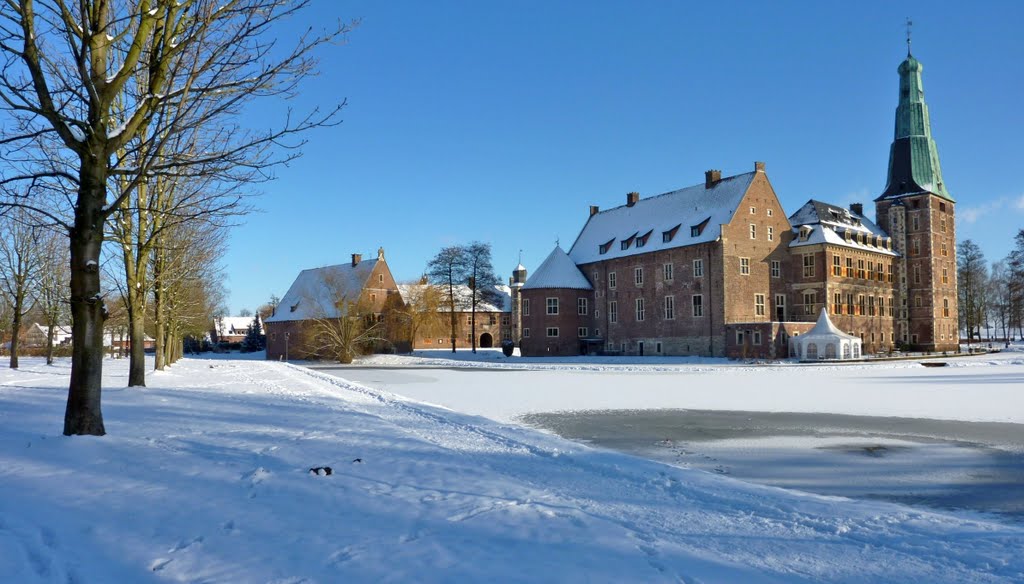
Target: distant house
(493, 321)
(35, 335)
(325, 293)
(231, 329)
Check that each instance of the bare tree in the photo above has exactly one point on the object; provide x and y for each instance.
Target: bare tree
(1015, 284)
(448, 271)
(421, 311)
(343, 326)
(54, 276)
(94, 90)
(482, 281)
(20, 261)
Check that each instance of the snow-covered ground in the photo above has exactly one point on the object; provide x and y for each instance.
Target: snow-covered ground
(204, 477)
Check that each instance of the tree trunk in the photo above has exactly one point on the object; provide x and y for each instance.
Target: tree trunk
(136, 335)
(83, 414)
(49, 343)
(19, 302)
(159, 310)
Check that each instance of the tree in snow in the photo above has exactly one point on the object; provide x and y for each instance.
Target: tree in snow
(53, 291)
(972, 283)
(1015, 284)
(447, 270)
(21, 260)
(254, 339)
(94, 91)
(482, 281)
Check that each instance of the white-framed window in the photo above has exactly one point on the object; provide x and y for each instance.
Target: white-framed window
(753, 231)
(776, 269)
(639, 309)
(552, 331)
(698, 305)
(759, 304)
(739, 337)
(809, 266)
(526, 307)
(552, 306)
(638, 276)
(667, 272)
(380, 278)
(757, 338)
(581, 306)
(670, 308)
(526, 334)
(698, 268)
(581, 332)
(769, 212)
(810, 299)
(613, 311)
(753, 210)
(771, 234)
(745, 266)
(780, 307)
(611, 280)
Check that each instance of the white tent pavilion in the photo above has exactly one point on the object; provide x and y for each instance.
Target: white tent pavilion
(825, 341)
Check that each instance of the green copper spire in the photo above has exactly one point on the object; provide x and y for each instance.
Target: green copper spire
(913, 157)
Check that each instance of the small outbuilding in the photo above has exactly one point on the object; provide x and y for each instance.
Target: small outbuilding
(825, 341)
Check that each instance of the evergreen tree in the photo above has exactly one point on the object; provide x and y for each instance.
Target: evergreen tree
(254, 339)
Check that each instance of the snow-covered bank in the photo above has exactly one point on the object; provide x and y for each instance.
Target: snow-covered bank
(988, 388)
(204, 478)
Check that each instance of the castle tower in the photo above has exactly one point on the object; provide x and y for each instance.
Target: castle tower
(515, 283)
(918, 212)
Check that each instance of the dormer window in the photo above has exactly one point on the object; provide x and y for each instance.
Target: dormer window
(628, 241)
(805, 232)
(696, 230)
(604, 247)
(642, 240)
(666, 236)
(293, 307)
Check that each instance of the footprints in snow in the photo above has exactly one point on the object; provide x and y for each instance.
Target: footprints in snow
(183, 545)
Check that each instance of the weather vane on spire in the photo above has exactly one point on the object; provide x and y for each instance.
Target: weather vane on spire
(910, 23)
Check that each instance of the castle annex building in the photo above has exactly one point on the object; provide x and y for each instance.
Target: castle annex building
(719, 269)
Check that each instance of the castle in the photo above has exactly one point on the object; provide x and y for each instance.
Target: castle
(718, 269)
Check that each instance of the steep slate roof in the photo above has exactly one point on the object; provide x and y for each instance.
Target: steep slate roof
(463, 297)
(681, 210)
(829, 224)
(558, 271)
(314, 292)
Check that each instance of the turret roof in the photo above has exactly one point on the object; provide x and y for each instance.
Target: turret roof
(558, 271)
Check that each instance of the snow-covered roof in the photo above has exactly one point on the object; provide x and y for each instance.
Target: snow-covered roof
(649, 219)
(463, 297)
(232, 325)
(818, 222)
(558, 271)
(825, 329)
(316, 292)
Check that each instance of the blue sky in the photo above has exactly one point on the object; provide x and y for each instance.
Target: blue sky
(502, 122)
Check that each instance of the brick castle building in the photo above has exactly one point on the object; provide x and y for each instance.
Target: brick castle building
(718, 269)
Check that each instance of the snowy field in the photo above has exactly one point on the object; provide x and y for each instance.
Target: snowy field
(204, 477)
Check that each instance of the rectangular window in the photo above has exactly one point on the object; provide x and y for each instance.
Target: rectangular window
(849, 304)
(698, 305)
(658, 348)
(739, 337)
(505, 320)
(667, 272)
(849, 267)
(639, 309)
(769, 212)
(695, 231)
(837, 267)
(917, 302)
(638, 276)
(871, 305)
(759, 304)
(753, 210)
(613, 312)
(837, 303)
(611, 280)
(780, 307)
(860, 269)
(810, 299)
(860, 304)
(890, 273)
(753, 231)
(757, 338)
(526, 334)
(698, 268)
(771, 234)
(945, 307)
(526, 307)
(871, 271)
(670, 308)
(745, 266)
(945, 276)
(808, 266)
(942, 248)
(917, 247)
(915, 222)
(917, 274)
(776, 269)
(581, 332)
(581, 306)
(552, 331)
(552, 304)
(942, 225)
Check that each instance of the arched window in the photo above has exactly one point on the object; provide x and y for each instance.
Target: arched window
(856, 351)
(830, 351)
(846, 350)
(812, 351)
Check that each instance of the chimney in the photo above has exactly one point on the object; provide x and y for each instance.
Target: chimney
(758, 166)
(594, 210)
(356, 258)
(857, 208)
(632, 198)
(711, 177)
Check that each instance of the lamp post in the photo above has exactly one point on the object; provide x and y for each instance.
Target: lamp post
(286, 335)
